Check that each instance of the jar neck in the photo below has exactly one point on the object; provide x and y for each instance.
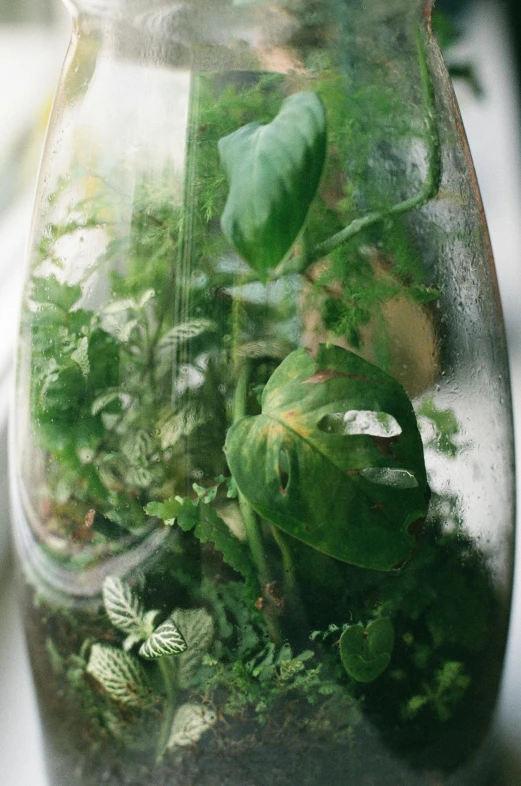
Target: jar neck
(238, 34)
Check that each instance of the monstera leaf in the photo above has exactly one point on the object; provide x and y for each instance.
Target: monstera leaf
(335, 459)
(366, 652)
(273, 171)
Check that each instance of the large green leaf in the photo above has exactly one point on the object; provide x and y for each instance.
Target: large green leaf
(273, 171)
(335, 459)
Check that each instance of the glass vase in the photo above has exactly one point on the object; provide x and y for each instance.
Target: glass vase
(262, 465)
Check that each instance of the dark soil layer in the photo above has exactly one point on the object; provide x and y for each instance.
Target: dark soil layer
(283, 752)
(273, 757)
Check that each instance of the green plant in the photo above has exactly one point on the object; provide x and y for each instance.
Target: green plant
(177, 645)
(289, 483)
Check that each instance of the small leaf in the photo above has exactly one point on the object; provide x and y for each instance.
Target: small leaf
(120, 674)
(165, 640)
(131, 640)
(104, 400)
(232, 492)
(190, 723)
(122, 606)
(137, 447)
(140, 477)
(208, 527)
(50, 291)
(179, 509)
(446, 427)
(273, 172)
(347, 492)
(205, 493)
(180, 424)
(184, 332)
(197, 628)
(81, 356)
(212, 529)
(366, 652)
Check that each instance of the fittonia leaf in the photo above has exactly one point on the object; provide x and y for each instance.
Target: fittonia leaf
(335, 459)
(165, 640)
(197, 629)
(121, 674)
(190, 723)
(273, 171)
(122, 606)
(366, 652)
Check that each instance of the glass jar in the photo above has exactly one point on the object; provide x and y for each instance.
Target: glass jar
(262, 471)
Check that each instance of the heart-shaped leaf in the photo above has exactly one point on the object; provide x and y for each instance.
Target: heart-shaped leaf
(273, 171)
(335, 459)
(366, 652)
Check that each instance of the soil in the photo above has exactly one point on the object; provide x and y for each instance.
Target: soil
(270, 756)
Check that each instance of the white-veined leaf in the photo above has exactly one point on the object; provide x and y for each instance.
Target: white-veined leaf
(140, 477)
(81, 356)
(179, 424)
(197, 628)
(120, 674)
(132, 638)
(147, 295)
(190, 723)
(184, 332)
(137, 447)
(117, 306)
(165, 640)
(122, 606)
(107, 398)
(128, 304)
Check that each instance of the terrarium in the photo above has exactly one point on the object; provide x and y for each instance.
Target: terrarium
(262, 471)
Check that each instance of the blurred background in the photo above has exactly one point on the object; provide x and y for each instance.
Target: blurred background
(482, 45)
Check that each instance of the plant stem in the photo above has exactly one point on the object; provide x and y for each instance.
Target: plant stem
(253, 533)
(290, 584)
(251, 525)
(164, 308)
(431, 185)
(241, 391)
(254, 538)
(168, 670)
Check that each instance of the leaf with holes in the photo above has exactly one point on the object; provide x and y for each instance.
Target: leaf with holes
(273, 171)
(120, 674)
(335, 458)
(165, 640)
(366, 652)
